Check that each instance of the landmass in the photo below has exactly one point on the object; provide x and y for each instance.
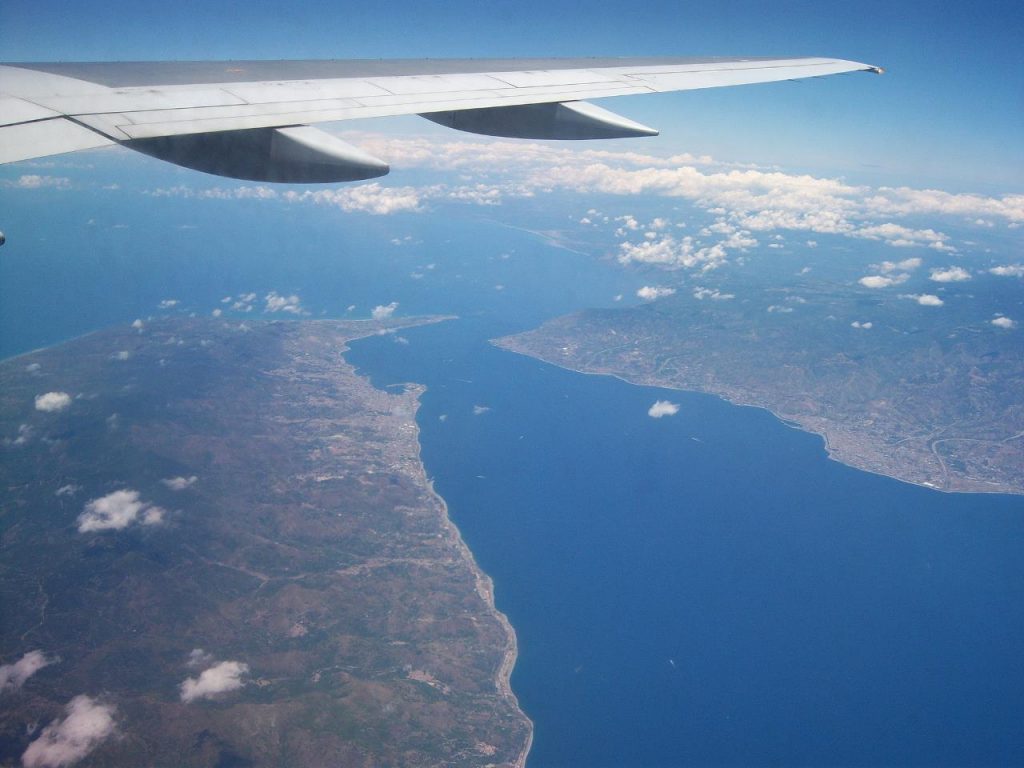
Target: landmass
(220, 548)
(935, 402)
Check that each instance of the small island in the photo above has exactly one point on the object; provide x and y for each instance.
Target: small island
(220, 548)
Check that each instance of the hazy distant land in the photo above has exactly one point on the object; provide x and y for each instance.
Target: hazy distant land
(937, 403)
(223, 542)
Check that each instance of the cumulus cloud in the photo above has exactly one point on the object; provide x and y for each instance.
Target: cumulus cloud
(179, 483)
(35, 181)
(906, 265)
(779, 308)
(662, 408)
(275, 302)
(53, 401)
(480, 410)
(900, 236)
(384, 311)
(137, 324)
(220, 678)
(117, 511)
(217, 193)
(709, 293)
(197, 657)
(746, 199)
(13, 676)
(168, 304)
(366, 198)
(686, 252)
(652, 292)
(950, 275)
(865, 325)
(1004, 322)
(24, 435)
(924, 299)
(1009, 270)
(243, 303)
(882, 281)
(64, 742)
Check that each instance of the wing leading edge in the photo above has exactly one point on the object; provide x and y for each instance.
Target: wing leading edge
(256, 114)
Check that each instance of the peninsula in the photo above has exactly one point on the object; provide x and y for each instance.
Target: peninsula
(935, 404)
(220, 548)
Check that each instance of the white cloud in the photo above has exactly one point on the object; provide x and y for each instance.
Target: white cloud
(67, 490)
(904, 237)
(24, 435)
(652, 292)
(778, 308)
(709, 293)
(217, 312)
(13, 676)
(197, 657)
(64, 742)
(950, 275)
(220, 678)
(882, 281)
(366, 198)
(117, 511)
(1009, 270)
(1004, 322)
(924, 299)
(168, 304)
(137, 324)
(244, 303)
(384, 311)
(745, 199)
(907, 265)
(672, 253)
(53, 401)
(179, 483)
(480, 410)
(865, 325)
(662, 408)
(123, 354)
(275, 302)
(35, 181)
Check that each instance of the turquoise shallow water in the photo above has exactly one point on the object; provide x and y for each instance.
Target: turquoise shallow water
(705, 589)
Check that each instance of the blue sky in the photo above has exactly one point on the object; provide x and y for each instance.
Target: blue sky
(948, 112)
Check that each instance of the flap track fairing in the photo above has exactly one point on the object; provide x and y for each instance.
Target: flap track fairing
(570, 120)
(295, 155)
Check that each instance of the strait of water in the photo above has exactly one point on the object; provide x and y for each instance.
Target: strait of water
(704, 589)
(710, 589)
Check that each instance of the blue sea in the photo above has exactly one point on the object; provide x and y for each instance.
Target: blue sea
(705, 589)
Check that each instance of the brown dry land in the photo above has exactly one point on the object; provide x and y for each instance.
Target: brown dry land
(310, 547)
(939, 407)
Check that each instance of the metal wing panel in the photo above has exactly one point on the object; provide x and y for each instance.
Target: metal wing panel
(148, 100)
(20, 111)
(46, 137)
(153, 123)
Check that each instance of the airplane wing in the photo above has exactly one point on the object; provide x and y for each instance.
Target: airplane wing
(252, 119)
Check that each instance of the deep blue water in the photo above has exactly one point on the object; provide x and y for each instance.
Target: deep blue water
(710, 589)
(705, 589)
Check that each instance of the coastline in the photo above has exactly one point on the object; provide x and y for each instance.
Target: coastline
(484, 588)
(831, 451)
